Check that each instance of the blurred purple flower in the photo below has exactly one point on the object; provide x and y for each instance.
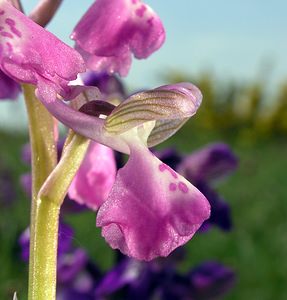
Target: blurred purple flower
(220, 210)
(70, 264)
(211, 280)
(24, 242)
(129, 279)
(209, 163)
(7, 188)
(132, 279)
(126, 272)
(26, 183)
(109, 85)
(26, 154)
(76, 277)
(65, 237)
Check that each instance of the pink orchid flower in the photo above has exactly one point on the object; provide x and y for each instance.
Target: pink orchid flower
(151, 209)
(30, 54)
(111, 31)
(95, 177)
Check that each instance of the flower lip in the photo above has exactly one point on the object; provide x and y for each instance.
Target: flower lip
(151, 209)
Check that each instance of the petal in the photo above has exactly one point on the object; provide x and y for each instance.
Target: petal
(111, 31)
(211, 280)
(220, 210)
(26, 183)
(24, 243)
(209, 163)
(9, 88)
(26, 154)
(30, 54)
(95, 177)
(70, 264)
(126, 272)
(8, 193)
(65, 238)
(110, 64)
(109, 85)
(151, 209)
(170, 106)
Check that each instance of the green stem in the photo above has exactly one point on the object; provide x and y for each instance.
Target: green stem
(44, 214)
(56, 186)
(50, 185)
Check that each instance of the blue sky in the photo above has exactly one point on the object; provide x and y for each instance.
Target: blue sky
(235, 40)
(231, 38)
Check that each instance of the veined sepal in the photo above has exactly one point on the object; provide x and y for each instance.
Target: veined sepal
(169, 106)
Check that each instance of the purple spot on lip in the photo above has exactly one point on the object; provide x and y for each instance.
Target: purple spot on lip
(172, 187)
(162, 167)
(140, 11)
(183, 187)
(6, 34)
(2, 12)
(9, 46)
(150, 21)
(16, 31)
(10, 22)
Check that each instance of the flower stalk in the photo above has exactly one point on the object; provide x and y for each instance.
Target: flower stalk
(44, 214)
(50, 182)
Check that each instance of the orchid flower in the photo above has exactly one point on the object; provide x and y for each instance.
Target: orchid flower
(151, 209)
(111, 31)
(30, 54)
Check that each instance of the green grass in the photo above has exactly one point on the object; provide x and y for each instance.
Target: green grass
(255, 248)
